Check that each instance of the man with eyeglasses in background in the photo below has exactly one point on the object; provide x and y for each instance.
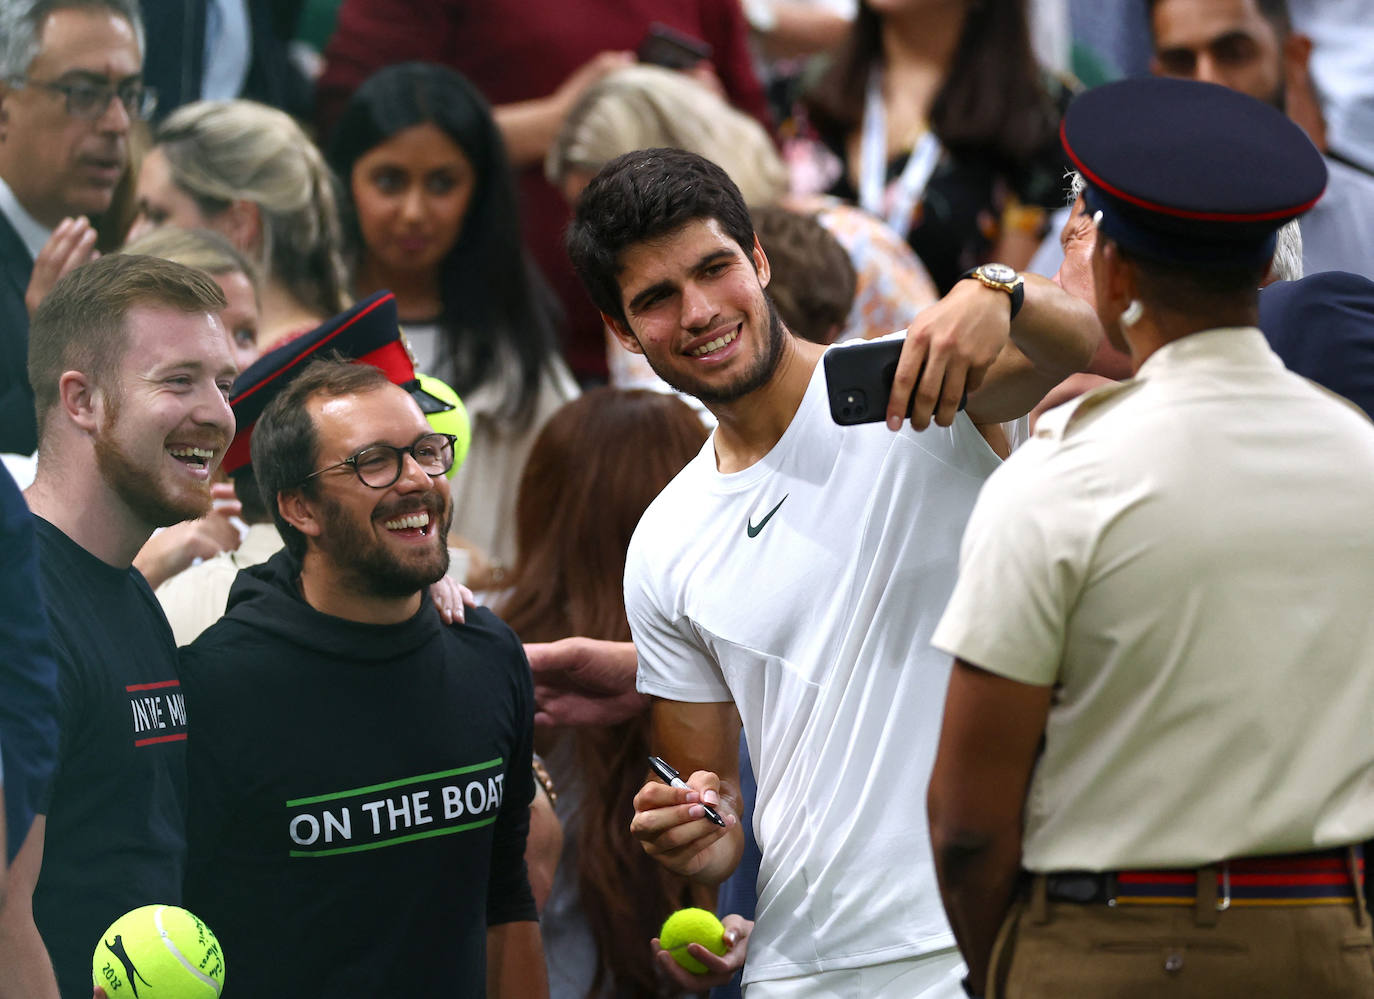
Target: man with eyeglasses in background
(359, 781)
(70, 87)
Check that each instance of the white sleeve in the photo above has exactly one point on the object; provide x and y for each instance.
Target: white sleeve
(673, 662)
(1022, 563)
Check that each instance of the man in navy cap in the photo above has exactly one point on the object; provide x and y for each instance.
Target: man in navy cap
(1165, 722)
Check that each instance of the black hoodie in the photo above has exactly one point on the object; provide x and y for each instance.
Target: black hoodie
(359, 794)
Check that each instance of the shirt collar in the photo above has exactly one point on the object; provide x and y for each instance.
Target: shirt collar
(31, 231)
(1228, 344)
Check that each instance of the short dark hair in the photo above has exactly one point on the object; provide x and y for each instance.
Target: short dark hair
(642, 195)
(82, 324)
(286, 444)
(1273, 11)
(1187, 289)
(813, 279)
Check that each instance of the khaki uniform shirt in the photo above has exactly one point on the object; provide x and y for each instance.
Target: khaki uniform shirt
(1188, 557)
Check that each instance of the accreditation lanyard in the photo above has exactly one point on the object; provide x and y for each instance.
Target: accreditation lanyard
(873, 164)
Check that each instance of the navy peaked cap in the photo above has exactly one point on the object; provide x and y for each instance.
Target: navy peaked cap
(367, 333)
(1190, 173)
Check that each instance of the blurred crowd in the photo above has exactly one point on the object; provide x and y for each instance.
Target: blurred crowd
(395, 396)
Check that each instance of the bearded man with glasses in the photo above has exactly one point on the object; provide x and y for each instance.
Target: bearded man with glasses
(64, 147)
(360, 774)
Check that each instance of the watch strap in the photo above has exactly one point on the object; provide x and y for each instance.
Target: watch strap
(1016, 292)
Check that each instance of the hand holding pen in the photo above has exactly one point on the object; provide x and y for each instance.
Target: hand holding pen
(672, 778)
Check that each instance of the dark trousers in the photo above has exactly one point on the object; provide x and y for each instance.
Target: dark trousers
(1069, 950)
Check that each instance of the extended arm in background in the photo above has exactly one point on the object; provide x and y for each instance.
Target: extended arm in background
(584, 681)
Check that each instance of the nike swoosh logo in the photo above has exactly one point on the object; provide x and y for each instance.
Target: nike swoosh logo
(752, 530)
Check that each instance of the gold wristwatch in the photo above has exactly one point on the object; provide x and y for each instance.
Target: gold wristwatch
(1003, 278)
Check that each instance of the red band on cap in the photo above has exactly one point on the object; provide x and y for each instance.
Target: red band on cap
(306, 355)
(392, 359)
(239, 453)
(1181, 213)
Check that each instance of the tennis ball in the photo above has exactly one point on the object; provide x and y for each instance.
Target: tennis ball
(451, 421)
(692, 926)
(159, 952)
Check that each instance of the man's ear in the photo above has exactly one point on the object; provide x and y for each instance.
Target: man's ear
(761, 265)
(80, 400)
(622, 332)
(299, 512)
(242, 224)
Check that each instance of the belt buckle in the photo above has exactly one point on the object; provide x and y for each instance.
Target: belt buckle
(1224, 899)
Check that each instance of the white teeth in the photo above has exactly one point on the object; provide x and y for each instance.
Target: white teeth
(420, 519)
(715, 344)
(192, 452)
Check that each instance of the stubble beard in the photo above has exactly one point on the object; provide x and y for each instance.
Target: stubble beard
(139, 487)
(370, 566)
(757, 376)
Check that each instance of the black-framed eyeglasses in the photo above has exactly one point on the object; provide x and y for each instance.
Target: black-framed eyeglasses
(379, 465)
(89, 100)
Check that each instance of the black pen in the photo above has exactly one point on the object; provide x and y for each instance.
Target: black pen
(672, 778)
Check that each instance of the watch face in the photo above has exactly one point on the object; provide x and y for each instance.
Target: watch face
(1001, 273)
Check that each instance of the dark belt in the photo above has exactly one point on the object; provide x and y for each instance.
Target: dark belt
(1327, 877)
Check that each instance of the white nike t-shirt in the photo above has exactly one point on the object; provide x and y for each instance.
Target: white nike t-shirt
(805, 589)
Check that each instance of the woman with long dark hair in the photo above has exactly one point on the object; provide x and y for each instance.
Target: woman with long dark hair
(594, 469)
(945, 126)
(429, 208)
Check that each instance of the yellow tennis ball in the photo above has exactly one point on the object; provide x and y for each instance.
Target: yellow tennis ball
(452, 421)
(692, 926)
(159, 952)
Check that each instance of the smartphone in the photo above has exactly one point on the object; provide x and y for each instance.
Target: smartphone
(858, 381)
(670, 48)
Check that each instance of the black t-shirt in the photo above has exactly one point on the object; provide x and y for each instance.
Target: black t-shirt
(359, 794)
(115, 838)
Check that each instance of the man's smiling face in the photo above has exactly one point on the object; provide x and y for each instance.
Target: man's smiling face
(387, 542)
(695, 307)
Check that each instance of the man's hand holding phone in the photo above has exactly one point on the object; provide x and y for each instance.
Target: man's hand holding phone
(957, 339)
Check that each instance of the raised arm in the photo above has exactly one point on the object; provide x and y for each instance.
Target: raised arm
(970, 343)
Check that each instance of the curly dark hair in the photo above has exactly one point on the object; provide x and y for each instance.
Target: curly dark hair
(642, 195)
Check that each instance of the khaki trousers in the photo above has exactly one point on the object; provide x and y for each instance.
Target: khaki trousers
(1067, 950)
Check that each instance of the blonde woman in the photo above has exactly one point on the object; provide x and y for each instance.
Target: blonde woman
(235, 274)
(248, 172)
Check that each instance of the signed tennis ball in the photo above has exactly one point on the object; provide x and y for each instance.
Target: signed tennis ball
(451, 421)
(159, 952)
(692, 926)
